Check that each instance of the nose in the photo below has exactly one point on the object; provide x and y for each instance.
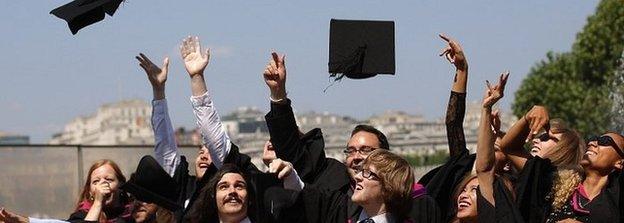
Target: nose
(358, 177)
(463, 195)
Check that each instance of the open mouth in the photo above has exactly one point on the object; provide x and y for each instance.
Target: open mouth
(358, 187)
(203, 165)
(463, 204)
(233, 200)
(535, 150)
(590, 153)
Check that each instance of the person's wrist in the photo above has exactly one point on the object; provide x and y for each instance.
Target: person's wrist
(197, 74)
(278, 95)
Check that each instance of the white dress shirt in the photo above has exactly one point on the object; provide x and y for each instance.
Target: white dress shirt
(382, 218)
(38, 220)
(165, 146)
(214, 136)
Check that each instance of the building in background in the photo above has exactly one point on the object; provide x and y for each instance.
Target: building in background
(13, 139)
(121, 123)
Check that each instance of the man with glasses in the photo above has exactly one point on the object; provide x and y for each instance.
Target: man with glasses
(307, 151)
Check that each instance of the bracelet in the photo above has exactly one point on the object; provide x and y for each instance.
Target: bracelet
(276, 100)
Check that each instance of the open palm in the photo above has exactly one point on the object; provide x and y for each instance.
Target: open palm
(195, 61)
(155, 74)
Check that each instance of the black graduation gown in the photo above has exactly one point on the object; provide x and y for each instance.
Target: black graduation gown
(442, 181)
(535, 183)
(307, 153)
(79, 216)
(189, 186)
(505, 211)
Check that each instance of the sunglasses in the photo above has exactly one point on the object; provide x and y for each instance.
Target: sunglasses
(606, 141)
(545, 137)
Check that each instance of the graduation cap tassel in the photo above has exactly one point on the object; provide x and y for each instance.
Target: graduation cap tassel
(351, 65)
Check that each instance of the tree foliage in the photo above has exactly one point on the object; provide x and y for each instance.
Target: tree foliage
(575, 86)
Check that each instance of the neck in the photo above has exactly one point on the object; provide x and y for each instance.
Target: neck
(373, 210)
(594, 182)
(231, 218)
(472, 219)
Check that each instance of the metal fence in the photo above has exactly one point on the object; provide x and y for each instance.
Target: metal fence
(45, 180)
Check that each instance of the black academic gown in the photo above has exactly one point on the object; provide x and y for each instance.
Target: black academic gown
(505, 211)
(307, 153)
(535, 184)
(189, 186)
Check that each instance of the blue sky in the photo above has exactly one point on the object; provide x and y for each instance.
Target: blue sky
(50, 76)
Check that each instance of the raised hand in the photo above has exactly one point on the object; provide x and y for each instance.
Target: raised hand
(195, 60)
(275, 76)
(495, 93)
(496, 122)
(538, 119)
(454, 53)
(281, 167)
(155, 74)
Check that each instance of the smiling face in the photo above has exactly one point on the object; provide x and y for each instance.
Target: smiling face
(231, 197)
(105, 173)
(143, 212)
(467, 201)
(368, 188)
(603, 157)
(542, 143)
(359, 140)
(202, 162)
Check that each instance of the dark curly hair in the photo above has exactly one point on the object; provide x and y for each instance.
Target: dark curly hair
(204, 209)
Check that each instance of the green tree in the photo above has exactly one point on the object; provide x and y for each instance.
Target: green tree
(617, 97)
(575, 85)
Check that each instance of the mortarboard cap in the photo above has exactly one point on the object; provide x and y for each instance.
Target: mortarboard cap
(81, 13)
(361, 49)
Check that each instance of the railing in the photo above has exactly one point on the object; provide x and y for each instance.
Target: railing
(44, 180)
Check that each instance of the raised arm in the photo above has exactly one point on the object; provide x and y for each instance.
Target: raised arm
(528, 126)
(456, 108)
(214, 136)
(165, 146)
(486, 160)
(286, 138)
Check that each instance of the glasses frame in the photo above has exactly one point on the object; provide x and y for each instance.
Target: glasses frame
(368, 174)
(544, 137)
(364, 150)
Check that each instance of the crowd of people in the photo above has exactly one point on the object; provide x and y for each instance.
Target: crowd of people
(560, 178)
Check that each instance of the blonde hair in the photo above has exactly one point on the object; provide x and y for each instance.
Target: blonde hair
(570, 148)
(565, 181)
(397, 178)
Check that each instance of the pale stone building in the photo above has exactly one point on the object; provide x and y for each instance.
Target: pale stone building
(121, 123)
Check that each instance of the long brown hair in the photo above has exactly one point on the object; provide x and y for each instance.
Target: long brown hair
(569, 150)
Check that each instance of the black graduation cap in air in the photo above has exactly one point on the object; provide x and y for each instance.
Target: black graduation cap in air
(81, 13)
(360, 49)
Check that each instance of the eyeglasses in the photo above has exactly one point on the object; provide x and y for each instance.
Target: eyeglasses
(364, 150)
(606, 141)
(366, 173)
(545, 137)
